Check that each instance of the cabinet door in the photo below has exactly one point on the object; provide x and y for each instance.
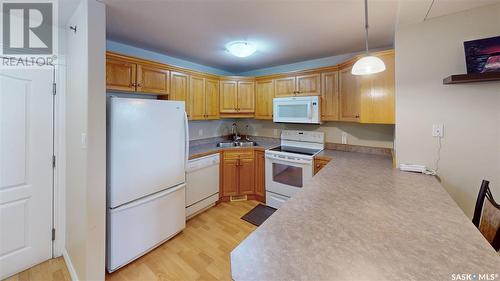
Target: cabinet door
(179, 87)
(319, 164)
(264, 94)
(211, 98)
(228, 100)
(330, 96)
(284, 87)
(309, 85)
(120, 75)
(260, 179)
(246, 97)
(349, 96)
(230, 177)
(377, 94)
(152, 80)
(246, 176)
(196, 98)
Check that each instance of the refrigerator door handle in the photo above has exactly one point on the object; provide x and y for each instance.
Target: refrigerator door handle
(147, 199)
(186, 127)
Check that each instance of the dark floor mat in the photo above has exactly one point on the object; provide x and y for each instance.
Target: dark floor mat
(259, 214)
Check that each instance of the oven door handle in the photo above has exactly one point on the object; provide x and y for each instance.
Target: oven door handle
(297, 161)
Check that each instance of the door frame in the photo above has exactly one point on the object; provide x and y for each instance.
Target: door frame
(59, 171)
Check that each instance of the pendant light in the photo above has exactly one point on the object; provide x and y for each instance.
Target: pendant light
(368, 64)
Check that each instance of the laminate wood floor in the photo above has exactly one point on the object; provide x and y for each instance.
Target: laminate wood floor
(200, 252)
(51, 270)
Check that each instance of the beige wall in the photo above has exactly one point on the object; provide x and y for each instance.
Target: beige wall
(357, 134)
(209, 129)
(425, 54)
(86, 163)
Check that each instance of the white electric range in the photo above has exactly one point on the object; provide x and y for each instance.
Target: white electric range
(290, 165)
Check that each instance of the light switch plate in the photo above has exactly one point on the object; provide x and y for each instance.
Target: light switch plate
(344, 138)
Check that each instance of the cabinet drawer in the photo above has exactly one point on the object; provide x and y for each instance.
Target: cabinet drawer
(238, 154)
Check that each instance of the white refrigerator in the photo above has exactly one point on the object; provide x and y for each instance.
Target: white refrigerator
(147, 154)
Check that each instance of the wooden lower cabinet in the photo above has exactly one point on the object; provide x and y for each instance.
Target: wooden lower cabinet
(230, 177)
(246, 176)
(319, 163)
(242, 173)
(260, 174)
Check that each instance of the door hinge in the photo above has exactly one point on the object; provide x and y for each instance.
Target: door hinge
(53, 234)
(53, 161)
(54, 89)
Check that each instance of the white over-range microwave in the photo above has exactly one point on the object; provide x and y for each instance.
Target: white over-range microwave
(305, 110)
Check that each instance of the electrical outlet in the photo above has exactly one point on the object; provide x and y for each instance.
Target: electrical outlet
(344, 138)
(83, 140)
(275, 132)
(200, 132)
(438, 130)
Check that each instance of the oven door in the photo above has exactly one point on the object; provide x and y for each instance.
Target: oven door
(286, 175)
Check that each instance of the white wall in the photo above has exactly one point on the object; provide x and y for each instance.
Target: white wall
(86, 162)
(425, 54)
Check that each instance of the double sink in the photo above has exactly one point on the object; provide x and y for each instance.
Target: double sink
(236, 143)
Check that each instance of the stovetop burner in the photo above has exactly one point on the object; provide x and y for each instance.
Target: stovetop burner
(296, 150)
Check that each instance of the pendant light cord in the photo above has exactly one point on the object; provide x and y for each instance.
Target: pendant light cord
(366, 25)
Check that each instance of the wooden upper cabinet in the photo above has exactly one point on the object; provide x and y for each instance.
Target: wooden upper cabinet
(179, 87)
(152, 80)
(377, 94)
(260, 178)
(264, 94)
(330, 96)
(120, 75)
(196, 98)
(246, 97)
(211, 98)
(308, 85)
(284, 87)
(228, 96)
(349, 95)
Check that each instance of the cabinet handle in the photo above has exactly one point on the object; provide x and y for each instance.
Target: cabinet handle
(357, 116)
(139, 85)
(133, 84)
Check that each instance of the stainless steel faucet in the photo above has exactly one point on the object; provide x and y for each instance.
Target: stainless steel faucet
(234, 131)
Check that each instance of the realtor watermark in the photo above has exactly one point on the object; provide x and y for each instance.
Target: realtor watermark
(29, 33)
(474, 276)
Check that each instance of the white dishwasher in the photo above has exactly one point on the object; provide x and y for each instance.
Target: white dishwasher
(202, 183)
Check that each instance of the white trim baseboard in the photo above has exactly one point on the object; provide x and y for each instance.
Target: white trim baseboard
(69, 265)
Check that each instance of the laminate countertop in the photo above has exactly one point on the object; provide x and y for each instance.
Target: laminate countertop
(361, 219)
(210, 146)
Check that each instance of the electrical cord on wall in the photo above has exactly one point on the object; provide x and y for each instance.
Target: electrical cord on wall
(433, 172)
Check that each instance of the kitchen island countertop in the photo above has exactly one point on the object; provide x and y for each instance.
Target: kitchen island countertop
(361, 219)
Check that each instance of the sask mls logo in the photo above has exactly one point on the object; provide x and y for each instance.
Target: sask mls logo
(29, 33)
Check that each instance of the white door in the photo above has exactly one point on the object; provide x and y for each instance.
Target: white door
(25, 169)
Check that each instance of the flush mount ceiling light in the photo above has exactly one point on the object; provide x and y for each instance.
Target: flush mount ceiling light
(241, 49)
(368, 64)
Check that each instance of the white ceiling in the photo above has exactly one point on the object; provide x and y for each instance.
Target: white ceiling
(285, 31)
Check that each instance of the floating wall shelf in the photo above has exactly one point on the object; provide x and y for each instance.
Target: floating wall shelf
(471, 78)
